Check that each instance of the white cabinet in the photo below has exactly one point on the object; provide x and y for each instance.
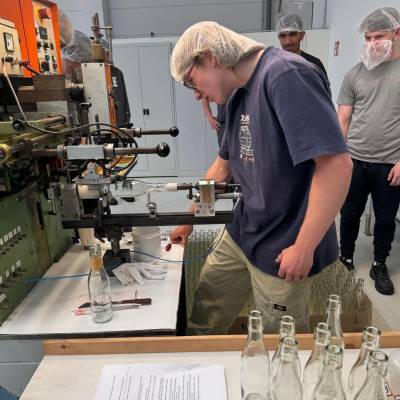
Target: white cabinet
(151, 100)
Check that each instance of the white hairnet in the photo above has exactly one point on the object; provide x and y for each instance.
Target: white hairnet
(226, 46)
(382, 19)
(289, 23)
(66, 29)
(80, 51)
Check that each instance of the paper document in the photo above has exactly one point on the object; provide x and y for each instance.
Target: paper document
(162, 382)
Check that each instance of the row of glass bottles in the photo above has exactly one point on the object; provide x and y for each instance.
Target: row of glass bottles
(338, 279)
(322, 373)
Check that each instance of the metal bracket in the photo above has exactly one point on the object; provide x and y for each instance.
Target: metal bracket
(205, 207)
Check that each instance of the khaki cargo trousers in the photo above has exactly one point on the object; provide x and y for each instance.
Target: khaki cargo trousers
(225, 284)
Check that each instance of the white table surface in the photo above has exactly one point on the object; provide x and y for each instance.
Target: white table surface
(76, 377)
(48, 309)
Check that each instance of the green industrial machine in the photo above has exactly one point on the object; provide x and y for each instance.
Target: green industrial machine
(31, 234)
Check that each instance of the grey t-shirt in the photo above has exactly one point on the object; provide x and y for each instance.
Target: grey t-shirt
(374, 133)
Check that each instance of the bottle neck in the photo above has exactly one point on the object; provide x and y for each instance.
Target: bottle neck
(318, 351)
(332, 375)
(333, 320)
(366, 348)
(287, 366)
(255, 335)
(374, 379)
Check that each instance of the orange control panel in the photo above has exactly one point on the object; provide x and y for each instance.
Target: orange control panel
(37, 25)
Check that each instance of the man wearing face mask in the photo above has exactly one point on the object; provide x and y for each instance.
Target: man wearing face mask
(369, 115)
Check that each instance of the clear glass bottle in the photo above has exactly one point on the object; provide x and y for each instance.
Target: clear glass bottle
(135, 187)
(330, 385)
(286, 384)
(374, 386)
(315, 364)
(360, 295)
(255, 362)
(99, 288)
(392, 379)
(286, 328)
(370, 342)
(333, 313)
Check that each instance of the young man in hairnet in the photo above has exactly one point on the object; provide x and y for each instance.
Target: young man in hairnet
(369, 115)
(291, 33)
(283, 144)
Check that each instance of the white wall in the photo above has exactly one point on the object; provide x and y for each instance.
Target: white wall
(343, 17)
(80, 13)
(139, 18)
(166, 17)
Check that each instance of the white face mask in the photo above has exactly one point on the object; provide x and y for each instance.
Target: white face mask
(375, 53)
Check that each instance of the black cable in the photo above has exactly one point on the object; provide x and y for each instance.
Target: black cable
(103, 130)
(29, 68)
(131, 139)
(123, 168)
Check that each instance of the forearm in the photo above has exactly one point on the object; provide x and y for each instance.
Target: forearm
(345, 112)
(206, 108)
(328, 191)
(344, 126)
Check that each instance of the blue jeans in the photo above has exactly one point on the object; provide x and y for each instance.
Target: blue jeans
(370, 178)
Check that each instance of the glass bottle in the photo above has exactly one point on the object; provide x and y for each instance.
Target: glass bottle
(286, 328)
(330, 385)
(135, 187)
(393, 374)
(286, 384)
(370, 342)
(315, 364)
(374, 386)
(360, 295)
(99, 287)
(333, 313)
(255, 361)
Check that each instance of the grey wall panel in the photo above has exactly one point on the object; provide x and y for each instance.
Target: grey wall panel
(128, 22)
(211, 140)
(114, 4)
(158, 98)
(126, 58)
(191, 123)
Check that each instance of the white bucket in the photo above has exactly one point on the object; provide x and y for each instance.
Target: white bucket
(146, 239)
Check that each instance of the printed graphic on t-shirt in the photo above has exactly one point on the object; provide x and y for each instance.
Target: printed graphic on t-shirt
(246, 149)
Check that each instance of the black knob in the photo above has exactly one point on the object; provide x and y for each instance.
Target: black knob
(18, 125)
(162, 149)
(174, 131)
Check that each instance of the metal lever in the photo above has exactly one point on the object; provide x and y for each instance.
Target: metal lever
(139, 132)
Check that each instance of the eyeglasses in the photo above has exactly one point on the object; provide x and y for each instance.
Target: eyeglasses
(186, 83)
(189, 85)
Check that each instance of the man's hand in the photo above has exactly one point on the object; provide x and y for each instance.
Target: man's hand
(213, 122)
(181, 234)
(295, 263)
(394, 175)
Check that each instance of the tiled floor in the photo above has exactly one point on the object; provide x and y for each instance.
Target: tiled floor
(386, 309)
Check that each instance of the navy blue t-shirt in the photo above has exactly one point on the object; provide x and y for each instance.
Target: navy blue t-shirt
(276, 124)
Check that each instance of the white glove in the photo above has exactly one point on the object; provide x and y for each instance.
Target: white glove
(129, 273)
